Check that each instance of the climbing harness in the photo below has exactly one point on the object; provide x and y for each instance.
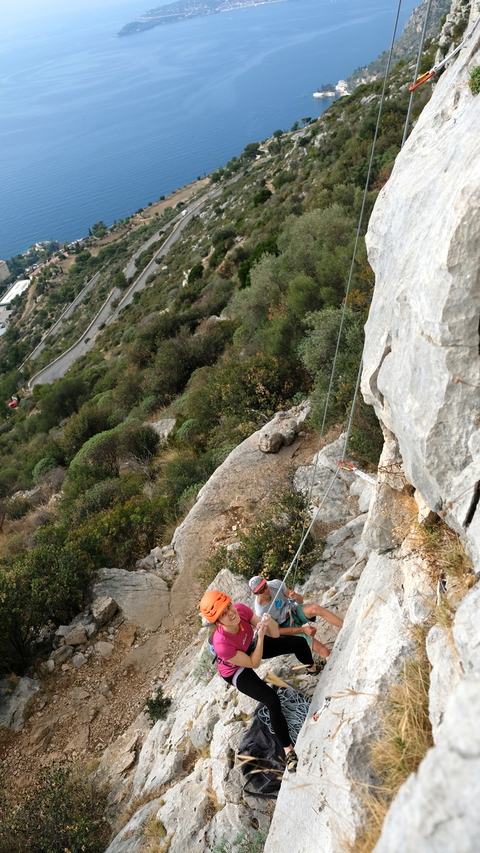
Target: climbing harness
(436, 68)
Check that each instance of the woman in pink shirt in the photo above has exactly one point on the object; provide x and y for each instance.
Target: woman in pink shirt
(238, 656)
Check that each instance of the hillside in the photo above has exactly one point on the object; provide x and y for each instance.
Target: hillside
(407, 44)
(155, 436)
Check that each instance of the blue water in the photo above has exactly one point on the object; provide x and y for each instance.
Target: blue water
(94, 127)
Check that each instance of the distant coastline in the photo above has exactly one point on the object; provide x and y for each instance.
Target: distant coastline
(328, 90)
(182, 10)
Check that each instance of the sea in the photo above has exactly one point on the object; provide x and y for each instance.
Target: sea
(93, 127)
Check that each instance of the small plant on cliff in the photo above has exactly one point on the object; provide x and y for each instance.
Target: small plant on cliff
(243, 843)
(474, 82)
(157, 708)
(269, 546)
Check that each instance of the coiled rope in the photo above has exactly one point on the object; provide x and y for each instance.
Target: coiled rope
(294, 708)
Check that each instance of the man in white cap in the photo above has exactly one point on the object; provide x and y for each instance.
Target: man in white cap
(288, 609)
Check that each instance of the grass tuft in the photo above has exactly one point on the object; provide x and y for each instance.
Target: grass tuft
(405, 735)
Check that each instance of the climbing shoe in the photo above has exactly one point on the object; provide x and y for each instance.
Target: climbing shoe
(292, 761)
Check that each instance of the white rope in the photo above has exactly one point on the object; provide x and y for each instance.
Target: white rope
(415, 73)
(304, 534)
(438, 67)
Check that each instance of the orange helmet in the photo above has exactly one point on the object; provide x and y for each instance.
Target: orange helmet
(213, 604)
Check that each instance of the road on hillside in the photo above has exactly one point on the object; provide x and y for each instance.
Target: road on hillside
(64, 316)
(56, 369)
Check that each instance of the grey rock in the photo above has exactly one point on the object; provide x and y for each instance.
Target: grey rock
(466, 631)
(445, 675)
(148, 563)
(103, 609)
(77, 637)
(279, 431)
(163, 428)
(104, 649)
(364, 491)
(62, 654)
(78, 660)
(333, 751)
(245, 478)
(13, 702)
(421, 366)
(436, 809)
(142, 597)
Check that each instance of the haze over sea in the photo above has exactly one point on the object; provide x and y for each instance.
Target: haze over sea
(94, 127)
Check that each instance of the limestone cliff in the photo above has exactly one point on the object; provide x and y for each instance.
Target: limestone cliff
(422, 375)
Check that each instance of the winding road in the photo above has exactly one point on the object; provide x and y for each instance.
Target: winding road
(107, 315)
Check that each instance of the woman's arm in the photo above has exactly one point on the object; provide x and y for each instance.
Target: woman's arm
(264, 626)
(272, 629)
(253, 660)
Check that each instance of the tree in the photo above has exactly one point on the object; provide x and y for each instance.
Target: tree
(99, 229)
(120, 281)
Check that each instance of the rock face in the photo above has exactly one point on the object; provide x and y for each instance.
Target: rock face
(235, 491)
(185, 776)
(422, 374)
(142, 598)
(421, 358)
(13, 700)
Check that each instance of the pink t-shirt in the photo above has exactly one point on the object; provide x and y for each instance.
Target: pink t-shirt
(227, 645)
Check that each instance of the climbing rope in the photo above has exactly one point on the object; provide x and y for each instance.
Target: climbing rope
(305, 533)
(415, 73)
(294, 708)
(438, 67)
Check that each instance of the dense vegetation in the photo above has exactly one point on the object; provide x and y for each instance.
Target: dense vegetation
(62, 812)
(241, 320)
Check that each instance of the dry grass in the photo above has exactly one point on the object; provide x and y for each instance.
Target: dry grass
(154, 837)
(405, 735)
(140, 801)
(449, 567)
(443, 551)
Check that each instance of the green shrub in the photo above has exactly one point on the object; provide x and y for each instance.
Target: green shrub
(119, 535)
(157, 708)
(46, 584)
(262, 196)
(270, 545)
(101, 496)
(243, 843)
(182, 472)
(62, 812)
(195, 273)
(474, 81)
(43, 467)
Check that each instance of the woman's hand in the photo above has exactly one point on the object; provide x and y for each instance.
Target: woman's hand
(263, 624)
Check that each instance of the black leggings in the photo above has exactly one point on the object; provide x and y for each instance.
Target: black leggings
(249, 683)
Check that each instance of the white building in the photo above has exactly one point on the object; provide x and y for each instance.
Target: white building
(15, 290)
